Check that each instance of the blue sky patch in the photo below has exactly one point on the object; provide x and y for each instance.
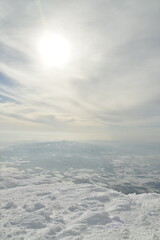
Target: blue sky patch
(4, 99)
(6, 80)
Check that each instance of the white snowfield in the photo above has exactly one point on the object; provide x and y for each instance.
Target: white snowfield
(51, 205)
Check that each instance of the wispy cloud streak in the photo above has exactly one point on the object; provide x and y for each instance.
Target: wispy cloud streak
(111, 83)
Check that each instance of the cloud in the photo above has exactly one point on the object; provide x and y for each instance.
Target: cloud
(112, 80)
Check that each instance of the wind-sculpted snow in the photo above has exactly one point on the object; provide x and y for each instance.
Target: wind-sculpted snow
(77, 200)
(50, 205)
(129, 169)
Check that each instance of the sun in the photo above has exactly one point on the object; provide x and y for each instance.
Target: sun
(53, 49)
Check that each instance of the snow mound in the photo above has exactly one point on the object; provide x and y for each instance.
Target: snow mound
(34, 207)
(49, 206)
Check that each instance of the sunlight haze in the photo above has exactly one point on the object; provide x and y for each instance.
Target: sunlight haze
(80, 70)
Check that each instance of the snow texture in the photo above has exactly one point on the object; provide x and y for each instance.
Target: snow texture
(73, 204)
(61, 209)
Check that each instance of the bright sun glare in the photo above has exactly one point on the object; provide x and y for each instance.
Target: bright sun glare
(54, 50)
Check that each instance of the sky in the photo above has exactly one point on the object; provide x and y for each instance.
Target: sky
(107, 89)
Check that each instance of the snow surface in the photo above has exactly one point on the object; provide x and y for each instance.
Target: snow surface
(72, 204)
(47, 205)
(128, 168)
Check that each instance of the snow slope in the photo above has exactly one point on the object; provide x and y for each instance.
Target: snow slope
(48, 204)
(64, 190)
(126, 168)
